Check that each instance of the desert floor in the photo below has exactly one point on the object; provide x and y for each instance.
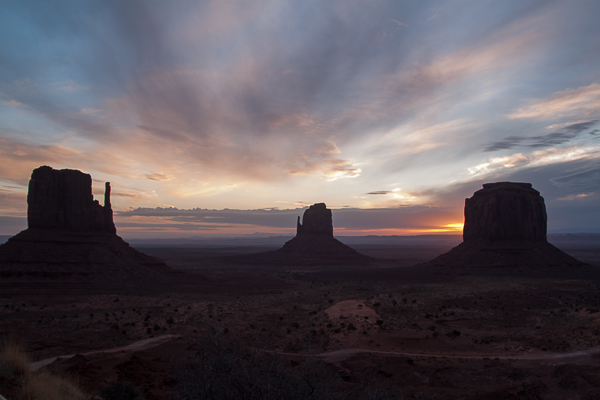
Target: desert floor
(442, 336)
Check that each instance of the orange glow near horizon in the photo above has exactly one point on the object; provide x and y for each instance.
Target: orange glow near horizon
(242, 229)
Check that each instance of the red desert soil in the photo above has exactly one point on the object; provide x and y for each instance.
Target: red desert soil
(459, 337)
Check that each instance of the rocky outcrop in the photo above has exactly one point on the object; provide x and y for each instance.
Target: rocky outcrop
(505, 229)
(62, 199)
(71, 236)
(314, 241)
(313, 244)
(505, 211)
(317, 220)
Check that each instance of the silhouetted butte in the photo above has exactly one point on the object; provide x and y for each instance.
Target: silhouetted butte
(70, 235)
(505, 229)
(313, 244)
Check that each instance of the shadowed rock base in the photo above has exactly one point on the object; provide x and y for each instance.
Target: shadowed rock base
(498, 257)
(55, 254)
(320, 248)
(40, 260)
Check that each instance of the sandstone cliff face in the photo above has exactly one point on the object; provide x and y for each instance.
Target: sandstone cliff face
(505, 211)
(62, 199)
(317, 220)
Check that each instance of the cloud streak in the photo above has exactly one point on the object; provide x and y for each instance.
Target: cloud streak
(582, 102)
(568, 133)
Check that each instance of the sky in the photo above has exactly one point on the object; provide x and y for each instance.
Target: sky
(230, 117)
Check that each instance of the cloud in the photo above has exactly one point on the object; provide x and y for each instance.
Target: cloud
(12, 200)
(583, 175)
(398, 22)
(345, 220)
(583, 102)
(13, 103)
(69, 86)
(575, 196)
(569, 133)
(244, 104)
(497, 165)
(158, 176)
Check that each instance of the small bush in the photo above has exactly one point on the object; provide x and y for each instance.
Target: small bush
(453, 334)
(47, 386)
(121, 390)
(15, 368)
(14, 362)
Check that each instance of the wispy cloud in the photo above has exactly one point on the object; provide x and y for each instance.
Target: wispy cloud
(378, 192)
(158, 176)
(568, 133)
(69, 86)
(496, 165)
(13, 103)
(345, 220)
(583, 102)
(575, 196)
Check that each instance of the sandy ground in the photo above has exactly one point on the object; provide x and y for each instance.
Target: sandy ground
(465, 337)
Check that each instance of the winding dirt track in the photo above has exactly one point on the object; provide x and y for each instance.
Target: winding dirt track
(343, 354)
(130, 348)
(338, 356)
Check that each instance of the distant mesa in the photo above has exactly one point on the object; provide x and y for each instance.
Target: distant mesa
(71, 236)
(314, 239)
(505, 226)
(313, 244)
(317, 220)
(505, 211)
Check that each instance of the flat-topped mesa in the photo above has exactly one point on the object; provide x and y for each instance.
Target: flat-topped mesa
(505, 211)
(505, 234)
(317, 220)
(62, 199)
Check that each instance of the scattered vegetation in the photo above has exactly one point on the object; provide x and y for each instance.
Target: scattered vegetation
(121, 390)
(222, 368)
(15, 373)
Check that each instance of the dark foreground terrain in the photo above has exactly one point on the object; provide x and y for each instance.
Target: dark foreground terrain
(381, 329)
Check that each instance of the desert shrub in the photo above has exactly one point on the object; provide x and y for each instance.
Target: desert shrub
(375, 391)
(14, 361)
(121, 390)
(44, 385)
(226, 369)
(453, 334)
(15, 368)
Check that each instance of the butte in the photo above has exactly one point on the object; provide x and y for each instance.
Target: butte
(71, 243)
(505, 233)
(313, 244)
